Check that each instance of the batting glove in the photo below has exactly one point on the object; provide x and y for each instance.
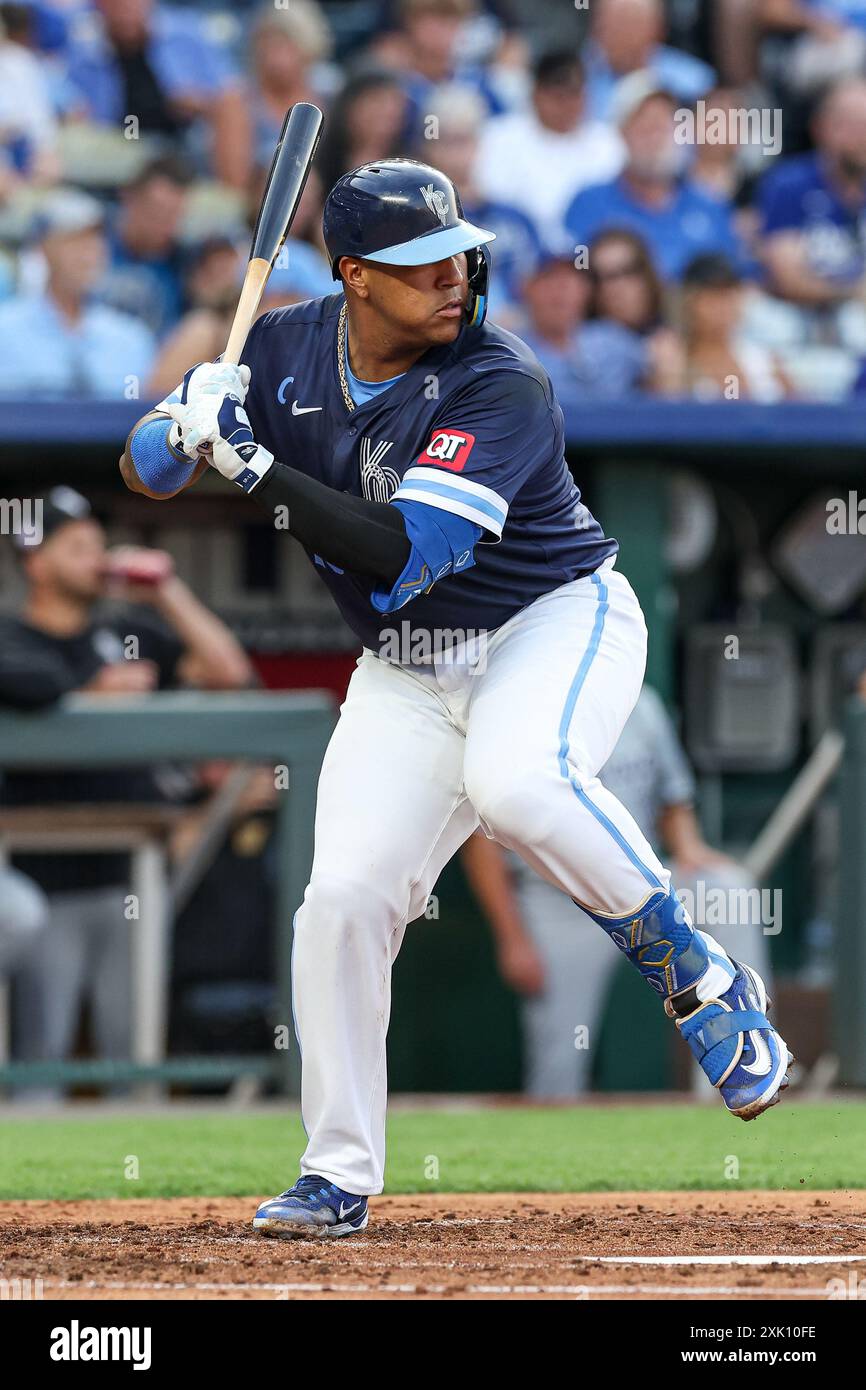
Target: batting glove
(205, 385)
(225, 435)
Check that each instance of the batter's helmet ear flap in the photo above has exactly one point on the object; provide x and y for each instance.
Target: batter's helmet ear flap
(478, 264)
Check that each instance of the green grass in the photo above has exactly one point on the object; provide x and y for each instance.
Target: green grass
(604, 1148)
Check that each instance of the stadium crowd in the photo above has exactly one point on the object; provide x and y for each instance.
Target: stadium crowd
(677, 190)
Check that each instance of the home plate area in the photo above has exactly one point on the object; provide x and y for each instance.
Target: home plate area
(668, 1245)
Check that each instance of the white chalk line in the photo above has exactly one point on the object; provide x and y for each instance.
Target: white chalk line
(727, 1259)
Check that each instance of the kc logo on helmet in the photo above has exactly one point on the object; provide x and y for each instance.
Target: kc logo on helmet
(449, 449)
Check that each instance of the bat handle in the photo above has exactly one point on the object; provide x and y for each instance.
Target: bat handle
(248, 304)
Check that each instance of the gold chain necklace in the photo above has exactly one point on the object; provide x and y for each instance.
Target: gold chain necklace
(341, 357)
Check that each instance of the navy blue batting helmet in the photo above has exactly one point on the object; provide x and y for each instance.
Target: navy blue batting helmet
(401, 212)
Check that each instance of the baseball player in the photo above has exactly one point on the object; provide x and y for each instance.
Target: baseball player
(417, 454)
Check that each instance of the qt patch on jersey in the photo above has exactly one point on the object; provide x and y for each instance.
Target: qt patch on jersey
(448, 449)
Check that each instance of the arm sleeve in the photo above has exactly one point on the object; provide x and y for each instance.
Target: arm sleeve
(350, 532)
(492, 436)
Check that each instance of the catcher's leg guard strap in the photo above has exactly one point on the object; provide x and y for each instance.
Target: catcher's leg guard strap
(661, 941)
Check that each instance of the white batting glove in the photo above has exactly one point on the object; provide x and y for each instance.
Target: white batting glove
(216, 379)
(204, 385)
(225, 436)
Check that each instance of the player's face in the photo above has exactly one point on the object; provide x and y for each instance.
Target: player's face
(421, 304)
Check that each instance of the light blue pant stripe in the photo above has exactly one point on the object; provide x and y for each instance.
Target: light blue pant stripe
(582, 671)
(609, 826)
(565, 723)
(295, 1014)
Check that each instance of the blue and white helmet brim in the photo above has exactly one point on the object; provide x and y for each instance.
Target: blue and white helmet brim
(435, 246)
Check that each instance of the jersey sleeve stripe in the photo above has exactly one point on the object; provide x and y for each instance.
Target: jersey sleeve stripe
(464, 498)
(489, 518)
(419, 474)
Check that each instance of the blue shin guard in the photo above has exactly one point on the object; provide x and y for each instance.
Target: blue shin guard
(725, 1021)
(661, 942)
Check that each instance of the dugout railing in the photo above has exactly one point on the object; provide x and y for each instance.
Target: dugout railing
(287, 731)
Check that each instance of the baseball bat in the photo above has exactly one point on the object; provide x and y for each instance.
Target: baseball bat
(290, 167)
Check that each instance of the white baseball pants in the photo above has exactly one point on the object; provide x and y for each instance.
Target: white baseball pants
(416, 762)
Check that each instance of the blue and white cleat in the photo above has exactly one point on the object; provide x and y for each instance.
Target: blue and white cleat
(737, 1047)
(313, 1207)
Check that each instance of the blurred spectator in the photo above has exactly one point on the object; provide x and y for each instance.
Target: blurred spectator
(213, 273)
(723, 167)
(720, 362)
(626, 285)
(59, 342)
(144, 276)
(23, 915)
(626, 37)
(36, 24)
(812, 206)
(159, 65)
(626, 289)
(732, 30)
(728, 169)
(28, 130)
(286, 44)
(829, 39)
(366, 122)
(585, 361)
(538, 159)
(676, 219)
(65, 641)
(813, 245)
(517, 248)
(556, 956)
(428, 51)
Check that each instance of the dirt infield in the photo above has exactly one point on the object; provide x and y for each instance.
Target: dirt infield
(602, 1245)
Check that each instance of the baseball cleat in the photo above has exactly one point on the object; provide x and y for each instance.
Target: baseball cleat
(737, 1047)
(313, 1207)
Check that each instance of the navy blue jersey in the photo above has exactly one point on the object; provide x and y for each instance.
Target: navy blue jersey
(472, 430)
